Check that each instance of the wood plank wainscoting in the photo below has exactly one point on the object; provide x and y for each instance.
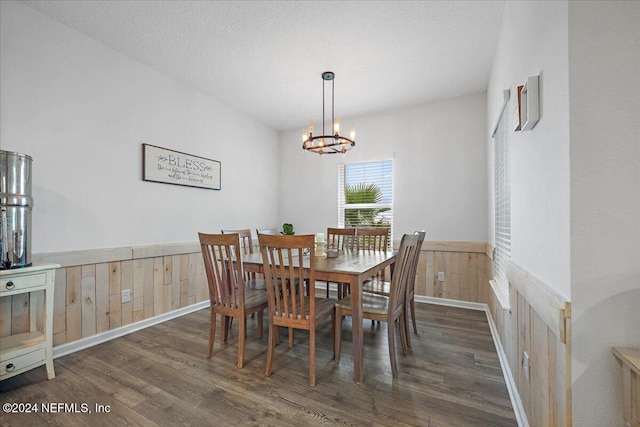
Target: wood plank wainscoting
(466, 269)
(537, 322)
(87, 295)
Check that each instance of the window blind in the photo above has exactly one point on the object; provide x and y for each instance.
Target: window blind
(502, 200)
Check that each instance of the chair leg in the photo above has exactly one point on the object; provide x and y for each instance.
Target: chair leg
(212, 333)
(337, 335)
(273, 330)
(413, 315)
(405, 327)
(327, 290)
(404, 334)
(290, 337)
(241, 337)
(392, 348)
(333, 331)
(312, 356)
(225, 324)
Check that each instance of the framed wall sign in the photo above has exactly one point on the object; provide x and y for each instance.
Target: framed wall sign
(174, 167)
(529, 104)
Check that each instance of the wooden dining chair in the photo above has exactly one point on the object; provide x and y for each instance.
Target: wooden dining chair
(228, 294)
(382, 287)
(251, 279)
(385, 308)
(285, 266)
(372, 239)
(246, 242)
(342, 239)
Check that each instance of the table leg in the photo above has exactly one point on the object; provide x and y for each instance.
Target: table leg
(356, 327)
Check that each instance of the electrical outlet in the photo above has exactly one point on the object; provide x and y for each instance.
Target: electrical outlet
(525, 365)
(126, 295)
(440, 276)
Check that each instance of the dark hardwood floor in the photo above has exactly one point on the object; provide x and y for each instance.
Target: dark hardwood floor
(161, 376)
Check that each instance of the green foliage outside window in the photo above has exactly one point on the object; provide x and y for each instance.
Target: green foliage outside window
(364, 217)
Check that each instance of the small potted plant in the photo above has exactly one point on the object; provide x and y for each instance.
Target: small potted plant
(287, 229)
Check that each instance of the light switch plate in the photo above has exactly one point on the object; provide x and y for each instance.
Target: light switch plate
(440, 276)
(126, 295)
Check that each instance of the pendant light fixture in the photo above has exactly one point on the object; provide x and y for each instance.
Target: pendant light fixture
(332, 143)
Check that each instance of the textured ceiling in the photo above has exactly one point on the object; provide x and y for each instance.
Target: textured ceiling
(265, 58)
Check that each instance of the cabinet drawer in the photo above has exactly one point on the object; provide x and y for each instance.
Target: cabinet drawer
(22, 282)
(12, 366)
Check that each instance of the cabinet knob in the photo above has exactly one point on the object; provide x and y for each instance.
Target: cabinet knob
(10, 367)
(10, 286)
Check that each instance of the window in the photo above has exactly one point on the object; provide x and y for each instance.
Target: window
(365, 195)
(502, 209)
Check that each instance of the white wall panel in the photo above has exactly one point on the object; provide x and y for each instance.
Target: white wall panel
(604, 52)
(533, 41)
(82, 111)
(439, 171)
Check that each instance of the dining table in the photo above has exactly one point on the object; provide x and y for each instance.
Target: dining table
(351, 266)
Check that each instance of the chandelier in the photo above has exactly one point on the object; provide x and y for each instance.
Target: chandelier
(328, 144)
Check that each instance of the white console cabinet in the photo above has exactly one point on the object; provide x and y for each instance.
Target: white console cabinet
(28, 350)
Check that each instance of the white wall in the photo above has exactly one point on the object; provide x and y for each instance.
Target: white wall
(533, 41)
(575, 178)
(439, 176)
(82, 111)
(604, 52)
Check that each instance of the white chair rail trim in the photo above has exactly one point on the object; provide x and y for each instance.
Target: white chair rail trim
(98, 256)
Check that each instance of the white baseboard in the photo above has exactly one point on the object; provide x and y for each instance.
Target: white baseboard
(84, 343)
(514, 396)
(516, 402)
(451, 303)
